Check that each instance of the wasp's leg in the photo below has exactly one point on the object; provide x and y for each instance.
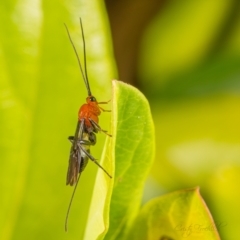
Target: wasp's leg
(92, 140)
(93, 159)
(104, 102)
(71, 138)
(103, 108)
(98, 128)
(84, 162)
(85, 142)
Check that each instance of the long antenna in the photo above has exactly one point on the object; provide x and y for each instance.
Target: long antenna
(85, 59)
(85, 78)
(70, 204)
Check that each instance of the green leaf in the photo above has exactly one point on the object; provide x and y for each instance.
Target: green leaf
(130, 152)
(175, 216)
(133, 146)
(41, 90)
(98, 217)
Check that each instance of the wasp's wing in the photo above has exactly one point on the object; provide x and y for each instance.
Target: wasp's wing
(75, 155)
(74, 165)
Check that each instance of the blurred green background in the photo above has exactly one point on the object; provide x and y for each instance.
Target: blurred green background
(183, 55)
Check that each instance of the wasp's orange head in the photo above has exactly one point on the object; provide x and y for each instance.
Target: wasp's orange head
(91, 100)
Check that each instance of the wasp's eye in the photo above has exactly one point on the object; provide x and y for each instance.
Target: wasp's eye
(93, 99)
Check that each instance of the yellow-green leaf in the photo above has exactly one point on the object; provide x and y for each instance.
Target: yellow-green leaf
(175, 216)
